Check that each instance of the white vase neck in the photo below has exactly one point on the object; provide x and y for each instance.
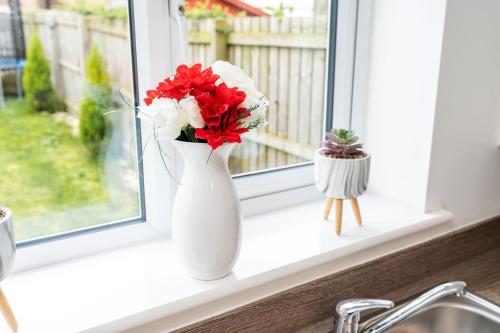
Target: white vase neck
(201, 153)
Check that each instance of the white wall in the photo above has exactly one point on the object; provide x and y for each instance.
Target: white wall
(431, 108)
(398, 109)
(465, 164)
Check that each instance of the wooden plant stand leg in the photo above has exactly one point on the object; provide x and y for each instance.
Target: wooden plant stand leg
(328, 207)
(355, 208)
(7, 312)
(339, 203)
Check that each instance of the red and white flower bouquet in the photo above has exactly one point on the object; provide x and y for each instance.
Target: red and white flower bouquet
(203, 113)
(212, 105)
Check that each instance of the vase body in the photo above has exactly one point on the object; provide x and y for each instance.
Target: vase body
(206, 218)
(341, 178)
(7, 244)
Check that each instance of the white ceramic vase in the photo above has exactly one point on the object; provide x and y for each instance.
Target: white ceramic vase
(206, 220)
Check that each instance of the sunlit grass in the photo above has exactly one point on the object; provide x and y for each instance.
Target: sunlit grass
(43, 167)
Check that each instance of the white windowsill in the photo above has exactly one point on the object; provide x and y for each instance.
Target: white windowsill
(132, 286)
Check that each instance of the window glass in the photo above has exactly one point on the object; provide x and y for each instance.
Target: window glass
(68, 144)
(282, 45)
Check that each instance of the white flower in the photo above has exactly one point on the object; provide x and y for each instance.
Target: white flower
(191, 110)
(164, 116)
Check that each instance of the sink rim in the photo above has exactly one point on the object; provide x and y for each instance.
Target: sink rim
(468, 302)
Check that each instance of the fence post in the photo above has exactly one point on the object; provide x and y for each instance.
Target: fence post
(83, 42)
(218, 40)
(28, 26)
(51, 24)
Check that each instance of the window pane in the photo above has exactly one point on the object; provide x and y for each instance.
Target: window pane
(68, 146)
(282, 46)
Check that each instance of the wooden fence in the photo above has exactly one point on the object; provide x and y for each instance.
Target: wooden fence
(67, 38)
(286, 57)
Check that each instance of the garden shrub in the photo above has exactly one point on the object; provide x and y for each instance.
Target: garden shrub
(92, 125)
(36, 79)
(97, 99)
(95, 71)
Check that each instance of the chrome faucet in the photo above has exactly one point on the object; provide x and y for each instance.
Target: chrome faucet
(349, 310)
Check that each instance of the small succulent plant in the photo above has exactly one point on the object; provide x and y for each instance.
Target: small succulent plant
(342, 143)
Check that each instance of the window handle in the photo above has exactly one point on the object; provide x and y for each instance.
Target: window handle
(179, 34)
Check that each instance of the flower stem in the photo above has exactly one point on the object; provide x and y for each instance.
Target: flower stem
(211, 152)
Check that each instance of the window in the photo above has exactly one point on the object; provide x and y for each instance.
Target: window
(68, 141)
(282, 45)
(57, 187)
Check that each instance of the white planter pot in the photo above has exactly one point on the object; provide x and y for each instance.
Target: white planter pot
(341, 178)
(7, 244)
(206, 221)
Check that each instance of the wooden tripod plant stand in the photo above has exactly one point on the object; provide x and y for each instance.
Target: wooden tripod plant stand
(7, 312)
(339, 203)
(341, 172)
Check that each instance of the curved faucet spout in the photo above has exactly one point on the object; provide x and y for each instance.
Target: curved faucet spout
(458, 288)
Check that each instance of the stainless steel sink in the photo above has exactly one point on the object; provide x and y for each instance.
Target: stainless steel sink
(448, 307)
(467, 314)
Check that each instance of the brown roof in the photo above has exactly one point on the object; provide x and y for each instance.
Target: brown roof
(246, 7)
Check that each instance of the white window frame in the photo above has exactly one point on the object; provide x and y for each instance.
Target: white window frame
(300, 176)
(159, 47)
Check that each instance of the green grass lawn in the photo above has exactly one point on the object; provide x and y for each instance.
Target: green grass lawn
(43, 168)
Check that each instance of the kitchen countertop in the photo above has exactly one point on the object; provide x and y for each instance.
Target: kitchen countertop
(470, 255)
(481, 273)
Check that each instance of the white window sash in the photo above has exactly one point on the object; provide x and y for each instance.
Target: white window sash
(153, 58)
(160, 47)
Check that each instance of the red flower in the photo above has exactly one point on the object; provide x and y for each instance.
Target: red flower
(216, 137)
(152, 94)
(187, 80)
(222, 115)
(213, 106)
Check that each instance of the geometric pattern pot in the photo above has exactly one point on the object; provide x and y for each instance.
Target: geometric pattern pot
(341, 178)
